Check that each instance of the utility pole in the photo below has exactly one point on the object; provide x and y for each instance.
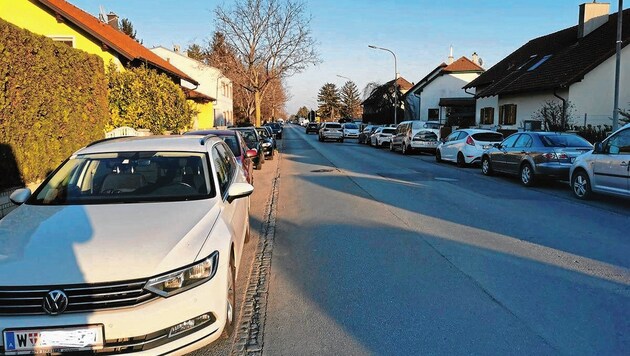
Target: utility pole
(618, 66)
(395, 81)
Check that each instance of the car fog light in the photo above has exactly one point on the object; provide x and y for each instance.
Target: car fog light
(189, 324)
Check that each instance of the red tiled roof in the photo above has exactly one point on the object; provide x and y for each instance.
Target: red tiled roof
(403, 83)
(553, 61)
(463, 65)
(195, 95)
(114, 39)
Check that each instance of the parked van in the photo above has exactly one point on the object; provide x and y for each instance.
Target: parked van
(605, 169)
(419, 136)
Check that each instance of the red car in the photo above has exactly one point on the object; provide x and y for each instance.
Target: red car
(238, 146)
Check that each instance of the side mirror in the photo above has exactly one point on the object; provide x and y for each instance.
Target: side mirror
(598, 148)
(251, 153)
(497, 145)
(239, 190)
(19, 196)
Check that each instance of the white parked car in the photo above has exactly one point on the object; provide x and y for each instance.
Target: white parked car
(382, 136)
(131, 245)
(466, 146)
(420, 136)
(605, 169)
(350, 130)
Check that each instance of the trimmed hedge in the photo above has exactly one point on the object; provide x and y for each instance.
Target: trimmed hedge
(53, 100)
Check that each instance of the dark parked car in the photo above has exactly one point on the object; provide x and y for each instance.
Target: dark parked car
(531, 155)
(366, 133)
(312, 127)
(238, 146)
(277, 129)
(253, 141)
(268, 143)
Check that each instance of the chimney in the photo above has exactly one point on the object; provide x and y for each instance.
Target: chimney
(475, 58)
(451, 59)
(176, 48)
(112, 20)
(592, 15)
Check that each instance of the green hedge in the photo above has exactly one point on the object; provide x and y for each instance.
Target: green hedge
(53, 100)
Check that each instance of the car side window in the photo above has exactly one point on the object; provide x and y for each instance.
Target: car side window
(619, 144)
(523, 141)
(452, 137)
(509, 142)
(462, 135)
(224, 165)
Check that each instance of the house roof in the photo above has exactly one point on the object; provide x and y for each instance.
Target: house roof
(403, 85)
(197, 96)
(553, 61)
(462, 65)
(114, 39)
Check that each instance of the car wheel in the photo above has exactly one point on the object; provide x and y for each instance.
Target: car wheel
(527, 175)
(581, 185)
(341, 140)
(461, 162)
(230, 319)
(486, 166)
(271, 156)
(404, 149)
(438, 156)
(320, 138)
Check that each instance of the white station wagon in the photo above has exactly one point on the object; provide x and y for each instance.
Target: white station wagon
(131, 246)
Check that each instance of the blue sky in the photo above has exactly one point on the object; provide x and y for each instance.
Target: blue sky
(420, 32)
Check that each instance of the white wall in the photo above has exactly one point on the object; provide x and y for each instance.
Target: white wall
(445, 86)
(211, 82)
(491, 101)
(594, 95)
(526, 105)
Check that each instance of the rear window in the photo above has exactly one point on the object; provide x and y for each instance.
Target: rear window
(426, 136)
(333, 126)
(488, 137)
(351, 126)
(564, 141)
(389, 131)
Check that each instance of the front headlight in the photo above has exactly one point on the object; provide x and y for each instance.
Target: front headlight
(186, 278)
(266, 144)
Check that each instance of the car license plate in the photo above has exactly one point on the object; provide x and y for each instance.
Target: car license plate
(80, 338)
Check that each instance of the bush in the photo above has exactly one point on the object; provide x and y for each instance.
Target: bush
(53, 100)
(144, 99)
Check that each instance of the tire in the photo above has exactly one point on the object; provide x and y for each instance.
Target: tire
(391, 146)
(341, 140)
(320, 138)
(248, 232)
(404, 149)
(438, 156)
(461, 161)
(230, 320)
(581, 185)
(271, 156)
(486, 166)
(527, 175)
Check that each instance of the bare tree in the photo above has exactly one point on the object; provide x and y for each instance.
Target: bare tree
(554, 116)
(272, 38)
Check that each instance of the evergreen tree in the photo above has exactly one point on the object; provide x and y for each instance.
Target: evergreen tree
(195, 51)
(350, 101)
(127, 28)
(328, 101)
(302, 112)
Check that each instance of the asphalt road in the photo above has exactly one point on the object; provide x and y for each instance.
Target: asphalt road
(379, 253)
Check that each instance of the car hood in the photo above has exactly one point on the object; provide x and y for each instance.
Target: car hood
(44, 245)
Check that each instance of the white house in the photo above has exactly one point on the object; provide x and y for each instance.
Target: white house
(574, 67)
(439, 95)
(212, 83)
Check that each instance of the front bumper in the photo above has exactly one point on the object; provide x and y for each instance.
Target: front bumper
(144, 329)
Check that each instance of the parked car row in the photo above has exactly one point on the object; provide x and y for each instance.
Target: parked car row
(532, 156)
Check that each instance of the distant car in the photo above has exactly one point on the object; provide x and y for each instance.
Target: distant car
(132, 245)
(270, 132)
(606, 169)
(364, 136)
(330, 131)
(350, 130)
(238, 146)
(466, 146)
(415, 136)
(382, 136)
(533, 155)
(277, 129)
(312, 127)
(251, 137)
(268, 142)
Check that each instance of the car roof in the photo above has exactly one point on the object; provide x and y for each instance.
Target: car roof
(474, 131)
(184, 143)
(212, 132)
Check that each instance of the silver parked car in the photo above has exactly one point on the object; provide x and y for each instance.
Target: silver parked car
(531, 155)
(606, 169)
(331, 131)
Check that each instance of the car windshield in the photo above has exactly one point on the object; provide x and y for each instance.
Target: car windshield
(564, 141)
(263, 132)
(333, 126)
(232, 143)
(389, 130)
(127, 177)
(250, 137)
(350, 126)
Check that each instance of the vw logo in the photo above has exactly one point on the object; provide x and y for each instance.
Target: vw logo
(55, 302)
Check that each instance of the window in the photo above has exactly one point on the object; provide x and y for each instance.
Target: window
(452, 137)
(486, 116)
(541, 61)
(529, 61)
(509, 142)
(434, 114)
(67, 40)
(524, 141)
(619, 144)
(225, 167)
(507, 114)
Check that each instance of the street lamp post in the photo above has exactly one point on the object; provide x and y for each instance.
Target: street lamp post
(617, 67)
(395, 80)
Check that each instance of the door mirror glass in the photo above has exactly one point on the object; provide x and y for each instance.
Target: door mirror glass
(19, 196)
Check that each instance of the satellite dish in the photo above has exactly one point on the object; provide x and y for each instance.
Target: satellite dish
(480, 62)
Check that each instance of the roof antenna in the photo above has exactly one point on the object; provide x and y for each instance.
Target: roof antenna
(451, 59)
(101, 14)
